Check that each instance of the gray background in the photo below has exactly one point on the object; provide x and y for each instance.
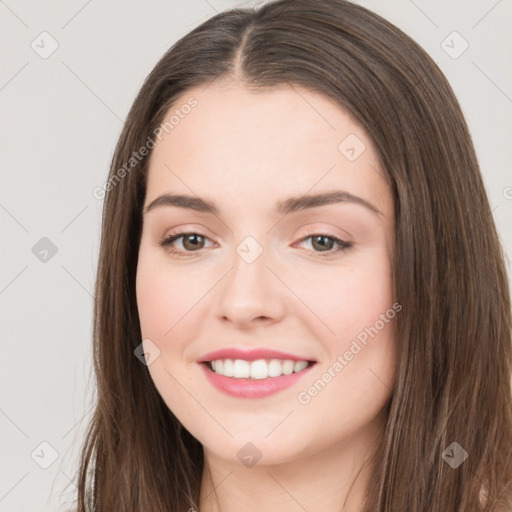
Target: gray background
(61, 117)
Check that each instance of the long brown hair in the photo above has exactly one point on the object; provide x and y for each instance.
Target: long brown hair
(453, 380)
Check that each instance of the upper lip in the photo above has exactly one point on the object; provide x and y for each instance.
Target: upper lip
(250, 355)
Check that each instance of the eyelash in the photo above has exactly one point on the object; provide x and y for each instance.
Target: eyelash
(167, 241)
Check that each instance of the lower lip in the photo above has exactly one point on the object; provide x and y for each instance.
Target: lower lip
(252, 388)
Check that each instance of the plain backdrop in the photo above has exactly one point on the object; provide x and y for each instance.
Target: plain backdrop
(70, 71)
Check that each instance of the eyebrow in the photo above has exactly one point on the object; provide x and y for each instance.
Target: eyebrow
(290, 205)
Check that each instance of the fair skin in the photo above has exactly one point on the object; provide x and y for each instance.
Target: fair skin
(246, 152)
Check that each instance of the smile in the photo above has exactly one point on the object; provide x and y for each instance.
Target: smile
(253, 373)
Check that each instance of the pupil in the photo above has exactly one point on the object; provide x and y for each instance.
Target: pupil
(321, 237)
(190, 237)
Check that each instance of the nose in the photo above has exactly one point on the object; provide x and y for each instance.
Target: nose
(251, 293)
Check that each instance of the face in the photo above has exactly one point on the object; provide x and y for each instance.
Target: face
(241, 266)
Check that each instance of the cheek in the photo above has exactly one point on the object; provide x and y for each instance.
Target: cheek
(347, 299)
(153, 304)
(170, 312)
(164, 301)
(366, 329)
(367, 294)
(356, 304)
(163, 296)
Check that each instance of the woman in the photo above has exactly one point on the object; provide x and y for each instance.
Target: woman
(341, 337)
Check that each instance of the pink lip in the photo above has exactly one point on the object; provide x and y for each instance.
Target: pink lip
(251, 388)
(250, 355)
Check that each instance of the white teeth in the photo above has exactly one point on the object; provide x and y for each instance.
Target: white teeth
(299, 366)
(228, 367)
(274, 368)
(288, 367)
(258, 369)
(241, 369)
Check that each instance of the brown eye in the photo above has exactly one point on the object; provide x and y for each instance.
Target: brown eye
(327, 244)
(322, 242)
(191, 242)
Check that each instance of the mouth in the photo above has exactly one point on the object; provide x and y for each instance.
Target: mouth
(258, 375)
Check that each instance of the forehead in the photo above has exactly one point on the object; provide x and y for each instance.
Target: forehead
(251, 146)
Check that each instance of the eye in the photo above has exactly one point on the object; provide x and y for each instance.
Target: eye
(192, 242)
(325, 243)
